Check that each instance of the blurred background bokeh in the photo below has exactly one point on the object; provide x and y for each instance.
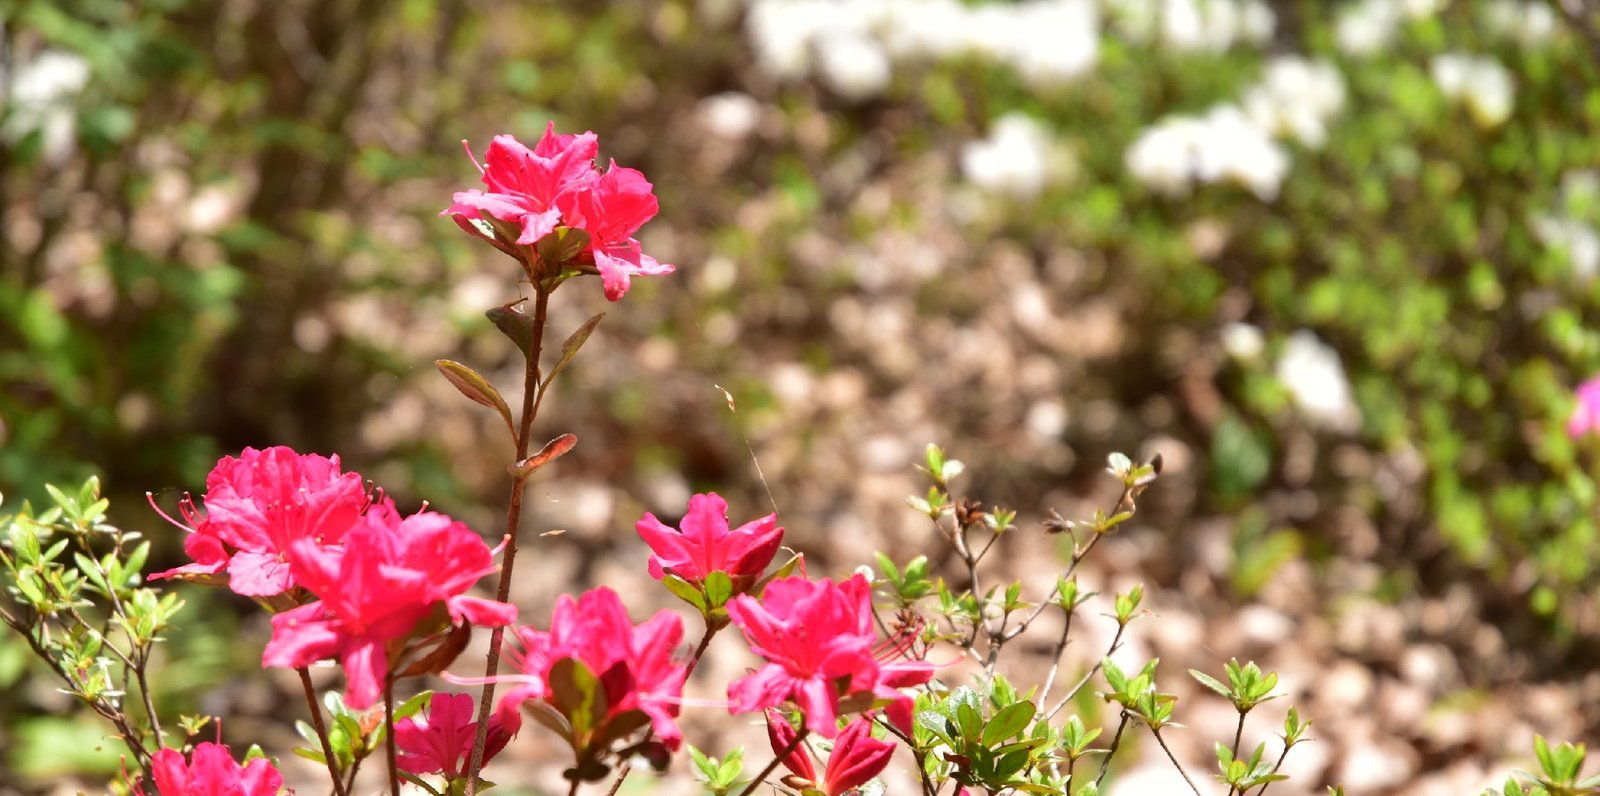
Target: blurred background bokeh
(1336, 262)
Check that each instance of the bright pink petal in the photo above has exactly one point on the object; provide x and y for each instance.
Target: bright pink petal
(819, 700)
(300, 637)
(481, 612)
(780, 734)
(365, 667)
(253, 574)
(857, 757)
(259, 778)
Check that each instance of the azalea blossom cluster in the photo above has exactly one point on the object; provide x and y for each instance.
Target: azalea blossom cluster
(1480, 83)
(1194, 25)
(1571, 227)
(347, 576)
(552, 210)
(852, 45)
(1235, 143)
(597, 677)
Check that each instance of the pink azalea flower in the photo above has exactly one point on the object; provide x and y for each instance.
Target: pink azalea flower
(614, 208)
(440, 741)
(705, 545)
(527, 188)
(531, 193)
(212, 772)
(1586, 415)
(389, 576)
(856, 758)
(635, 665)
(820, 646)
(257, 507)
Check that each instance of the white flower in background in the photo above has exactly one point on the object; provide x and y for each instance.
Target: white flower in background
(1257, 22)
(853, 65)
(1223, 146)
(1570, 229)
(1014, 159)
(1422, 9)
(1243, 340)
(781, 33)
(1480, 83)
(1579, 241)
(1367, 26)
(1297, 99)
(1163, 155)
(1314, 376)
(1054, 41)
(852, 44)
(1136, 20)
(39, 96)
(1527, 23)
(730, 115)
(1232, 149)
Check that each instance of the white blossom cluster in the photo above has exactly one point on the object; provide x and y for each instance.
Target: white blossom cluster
(1367, 27)
(1193, 25)
(1014, 159)
(1314, 376)
(1569, 229)
(1235, 143)
(1527, 22)
(38, 95)
(1478, 82)
(852, 45)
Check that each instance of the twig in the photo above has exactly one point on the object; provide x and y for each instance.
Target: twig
(1055, 657)
(530, 385)
(1275, 766)
(799, 737)
(1238, 734)
(322, 730)
(1105, 765)
(1175, 763)
(388, 735)
(1116, 643)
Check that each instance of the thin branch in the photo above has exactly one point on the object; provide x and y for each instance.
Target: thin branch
(799, 737)
(1275, 766)
(1238, 734)
(530, 384)
(388, 735)
(1175, 763)
(1116, 644)
(1105, 765)
(322, 730)
(1055, 657)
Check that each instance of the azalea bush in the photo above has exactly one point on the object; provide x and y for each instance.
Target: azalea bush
(845, 671)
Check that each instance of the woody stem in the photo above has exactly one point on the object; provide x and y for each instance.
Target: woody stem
(530, 385)
(388, 735)
(322, 731)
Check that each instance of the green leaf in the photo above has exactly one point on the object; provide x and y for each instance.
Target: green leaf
(1008, 722)
(473, 385)
(1211, 682)
(576, 692)
(575, 341)
(718, 588)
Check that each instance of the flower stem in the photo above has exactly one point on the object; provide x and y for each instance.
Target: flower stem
(1175, 763)
(799, 738)
(322, 731)
(530, 385)
(388, 735)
